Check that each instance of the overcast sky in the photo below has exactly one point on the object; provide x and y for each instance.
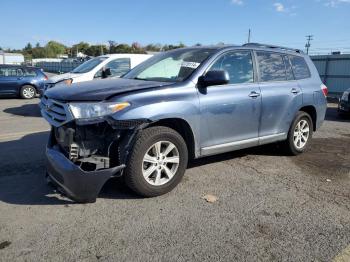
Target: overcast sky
(283, 22)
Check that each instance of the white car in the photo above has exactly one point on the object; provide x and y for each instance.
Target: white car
(113, 65)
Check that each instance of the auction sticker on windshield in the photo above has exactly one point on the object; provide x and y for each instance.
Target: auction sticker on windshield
(193, 65)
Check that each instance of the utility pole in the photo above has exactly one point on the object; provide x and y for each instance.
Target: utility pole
(249, 32)
(308, 44)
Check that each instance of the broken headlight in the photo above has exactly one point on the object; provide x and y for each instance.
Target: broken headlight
(95, 110)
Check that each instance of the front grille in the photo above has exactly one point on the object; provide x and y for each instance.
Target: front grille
(56, 113)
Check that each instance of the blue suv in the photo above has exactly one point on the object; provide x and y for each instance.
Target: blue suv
(182, 104)
(23, 81)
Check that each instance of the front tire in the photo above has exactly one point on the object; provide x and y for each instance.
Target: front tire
(157, 162)
(300, 134)
(27, 92)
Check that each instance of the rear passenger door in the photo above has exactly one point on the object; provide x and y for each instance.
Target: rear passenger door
(281, 95)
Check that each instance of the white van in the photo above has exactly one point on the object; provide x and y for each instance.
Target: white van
(113, 65)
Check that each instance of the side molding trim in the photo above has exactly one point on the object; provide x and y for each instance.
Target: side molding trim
(227, 147)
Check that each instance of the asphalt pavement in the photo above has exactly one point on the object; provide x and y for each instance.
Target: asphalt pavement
(269, 207)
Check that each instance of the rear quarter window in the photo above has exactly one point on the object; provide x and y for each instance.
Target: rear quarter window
(300, 68)
(29, 72)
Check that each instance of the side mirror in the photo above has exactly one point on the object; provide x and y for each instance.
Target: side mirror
(106, 73)
(213, 78)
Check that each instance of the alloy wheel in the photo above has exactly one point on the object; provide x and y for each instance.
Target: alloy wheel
(160, 163)
(301, 134)
(28, 92)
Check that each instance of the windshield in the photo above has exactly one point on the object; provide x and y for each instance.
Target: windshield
(88, 65)
(172, 66)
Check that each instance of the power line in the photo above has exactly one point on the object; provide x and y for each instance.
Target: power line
(308, 44)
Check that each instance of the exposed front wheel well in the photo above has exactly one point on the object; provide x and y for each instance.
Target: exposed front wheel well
(311, 110)
(183, 128)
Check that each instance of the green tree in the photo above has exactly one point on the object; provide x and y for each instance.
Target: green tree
(112, 44)
(28, 47)
(153, 47)
(121, 48)
(81, 47)
(96, 50)
(136, 48)
(54, 48)
(38, 52)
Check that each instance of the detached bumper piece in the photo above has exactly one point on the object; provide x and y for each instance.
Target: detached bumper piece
(81, 186)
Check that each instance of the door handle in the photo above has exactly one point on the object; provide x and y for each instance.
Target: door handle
(254, 94)
(295, 91)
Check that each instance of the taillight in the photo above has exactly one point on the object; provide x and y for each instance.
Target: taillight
(45, 77)
(324, 90)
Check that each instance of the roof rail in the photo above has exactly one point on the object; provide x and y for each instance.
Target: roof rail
(272, 47)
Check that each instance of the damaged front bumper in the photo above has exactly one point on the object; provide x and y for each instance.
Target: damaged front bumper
(82, 186)
(83, 154)
(80, 159)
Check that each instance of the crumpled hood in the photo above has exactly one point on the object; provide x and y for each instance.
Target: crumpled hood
(57, 78)
(98, 90)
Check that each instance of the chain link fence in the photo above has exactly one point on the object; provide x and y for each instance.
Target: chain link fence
(58, 67)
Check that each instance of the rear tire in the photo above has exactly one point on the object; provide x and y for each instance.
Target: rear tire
(300, 134)
(28, 92)
(157, 161)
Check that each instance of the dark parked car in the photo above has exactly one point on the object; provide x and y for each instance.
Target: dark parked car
(344, 103)
(182, 104)
(21, 81)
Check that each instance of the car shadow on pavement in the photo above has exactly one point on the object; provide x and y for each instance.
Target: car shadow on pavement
(31, 110)
(22, 175)
(22, 172)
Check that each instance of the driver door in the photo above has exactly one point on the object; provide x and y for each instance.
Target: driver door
(230, 113)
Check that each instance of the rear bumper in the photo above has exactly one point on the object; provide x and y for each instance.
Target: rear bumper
(79, 185)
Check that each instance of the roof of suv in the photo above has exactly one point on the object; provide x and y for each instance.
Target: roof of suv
(255, 46)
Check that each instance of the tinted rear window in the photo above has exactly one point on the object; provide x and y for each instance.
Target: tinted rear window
(300, 68)
(271, 66)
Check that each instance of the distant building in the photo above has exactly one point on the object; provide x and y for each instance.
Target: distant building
(334, 71)
(11, 58)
